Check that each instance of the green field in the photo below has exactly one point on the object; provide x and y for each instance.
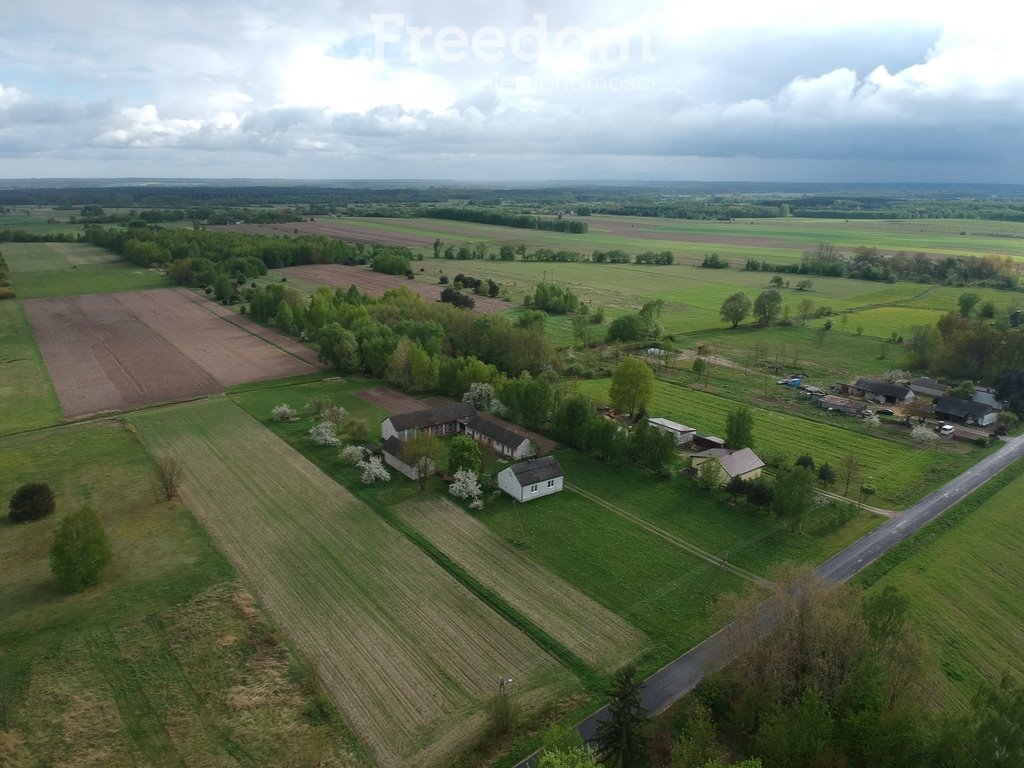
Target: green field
(67, 269)
(408, 654)
(964, 577)
(168, 661)
(775, 240)
(27, 399)
(40, 220)
(735, 532)
(900, 471)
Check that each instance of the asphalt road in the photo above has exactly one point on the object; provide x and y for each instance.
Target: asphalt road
(680, 676)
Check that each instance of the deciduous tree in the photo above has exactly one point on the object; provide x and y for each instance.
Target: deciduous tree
(739, 428)
(31, 501)
(632, 386)
(735, 308)
(80, 551)
(463, 453)
(767, 307)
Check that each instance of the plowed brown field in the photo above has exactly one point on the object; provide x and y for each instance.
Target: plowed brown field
(108, 352)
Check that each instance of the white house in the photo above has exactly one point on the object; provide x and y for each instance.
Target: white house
(682, 433)
(532, 479)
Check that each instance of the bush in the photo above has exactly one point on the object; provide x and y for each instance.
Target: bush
(80, 551)
(32, 501)
(283, 412)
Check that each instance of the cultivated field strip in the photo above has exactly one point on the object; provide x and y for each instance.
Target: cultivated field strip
(102, 358)
(405, 651)
(589, 630)
(44, 257)
(228, 353)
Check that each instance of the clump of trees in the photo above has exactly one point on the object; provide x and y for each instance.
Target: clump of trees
(31, 501)
(553, 299)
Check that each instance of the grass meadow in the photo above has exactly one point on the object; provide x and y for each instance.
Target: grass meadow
(964, 575)
(39, 270)
(27, 399)
(168, 661)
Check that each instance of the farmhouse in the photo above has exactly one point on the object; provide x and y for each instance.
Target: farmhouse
(392, 453)
(440, 421)
(496, 435)
(682, 433)
(883, 392)
(966, 411)
(532, 479)
(840, 404)
(743, 463)
(987, 396)
(926, 387)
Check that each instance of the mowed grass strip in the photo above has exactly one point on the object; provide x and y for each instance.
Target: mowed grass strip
(657, 587)
(27, 399)
(965, 587)
(43, 257)
(406, 652)
(592, 632)
(167, 661)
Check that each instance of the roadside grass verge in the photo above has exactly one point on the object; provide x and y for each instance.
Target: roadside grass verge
(27, 399)
(964, 575)
(168, 661)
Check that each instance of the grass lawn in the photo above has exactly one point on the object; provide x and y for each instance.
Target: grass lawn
(737, 533)
(27, 399)
(964, 576)
(68, 269)
(42, 257)
(168, 661)
(660, 589)
(899, 471)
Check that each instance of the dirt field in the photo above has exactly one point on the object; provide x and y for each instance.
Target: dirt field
(108, 352)
(592, 632)
(375, 283)
(406, 652)
(391, 401)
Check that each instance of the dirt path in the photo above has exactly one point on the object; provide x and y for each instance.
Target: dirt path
(674, 540)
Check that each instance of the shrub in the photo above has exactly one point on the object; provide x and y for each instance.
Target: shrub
(283, 412)
(352, 454)
(373, 470)
(923, 434)
(80, 551)
(325, 433)
(31, 501)
(168, 474)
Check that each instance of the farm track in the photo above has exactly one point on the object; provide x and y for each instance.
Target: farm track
(675, 541)
(407, 653)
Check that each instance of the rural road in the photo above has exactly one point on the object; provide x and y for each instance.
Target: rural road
(678, 677)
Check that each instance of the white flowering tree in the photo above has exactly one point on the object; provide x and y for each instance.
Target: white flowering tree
(352, 454)
(480, 395)
(283, 412)
(325, 433)
(373, 470)
(326, 410)
(467, 486)
(923, 435)
(873, 421)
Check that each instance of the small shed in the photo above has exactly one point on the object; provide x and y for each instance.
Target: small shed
(883, 391)
(707, 441)
(532, 479)
(682, 433)
(391, 451)
(840, 405)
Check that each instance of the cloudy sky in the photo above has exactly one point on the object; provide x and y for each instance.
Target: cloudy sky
(802, 90)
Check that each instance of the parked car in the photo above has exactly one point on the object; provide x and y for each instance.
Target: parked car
(947, 429)
(884, 411)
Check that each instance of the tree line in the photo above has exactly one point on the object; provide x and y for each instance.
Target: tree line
(505, 219)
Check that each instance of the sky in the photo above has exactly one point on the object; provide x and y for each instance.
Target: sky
(802, 90)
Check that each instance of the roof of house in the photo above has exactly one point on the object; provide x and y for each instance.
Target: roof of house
(883, 388)
(954, 406)
(986, 397)
(537, 470)
(740, 462)
(499, 433)
(712, 453)
(675, 426)
(432, 417)
(927, 383)
(834, 401)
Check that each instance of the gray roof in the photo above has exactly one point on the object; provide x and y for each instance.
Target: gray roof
(675, 426)
(740, 462)
(432, 417)
(883, 388)
(499, 433)
(712, 453)
(954, 406)
(927, 383)
(537, 470)
(393, 446)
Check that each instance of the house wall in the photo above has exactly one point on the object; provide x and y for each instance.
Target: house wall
(395, 463)
(387, 430)
(988, 419)
(752, 474)
(682, 438)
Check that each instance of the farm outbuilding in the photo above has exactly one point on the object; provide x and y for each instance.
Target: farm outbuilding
(840, 405)
(744, 463)
(532, 479)
(440, 421)
(707, 441)
(496, 435)
(883, 392)
(926, 387)
(391, 451)
(965, 411)
(682, 433)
